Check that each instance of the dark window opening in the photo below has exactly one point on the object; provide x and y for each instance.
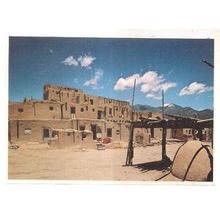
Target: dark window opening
(82, 128)
(93, 129)
(117, 131)
(46, 133)
(91, 101)
(20, 109)
(152, 132)
(93, 109)
(99, 114)
(110, 111)
(82, 109)
(68, 133)
(109, 132)
(50, 108)
(54, 133)
(87, 108)
(72, 110)
(105, 112)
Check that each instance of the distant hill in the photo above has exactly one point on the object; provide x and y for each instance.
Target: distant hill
(174, 109)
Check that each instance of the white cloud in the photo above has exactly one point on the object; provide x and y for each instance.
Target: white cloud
(151, 83)
(125, 83)
(153, 96)
(84, 61)
(69, 61)
(194, 88)
(93, 82)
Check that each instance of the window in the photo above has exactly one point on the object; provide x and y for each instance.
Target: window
(51, 108)
(54, 133)
(72, 110)
(99, 114)
(91, 101)
(46, 133)
(68, 133)
(82, 128)
(117, 131)
(66, 106)
(109, 132)
(20, 109)
(82, 109)
(87, 108)
(93, 109)
(110, 111)
(27, 131)
(189, 131)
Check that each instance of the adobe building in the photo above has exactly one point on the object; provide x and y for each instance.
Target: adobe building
(68, 117)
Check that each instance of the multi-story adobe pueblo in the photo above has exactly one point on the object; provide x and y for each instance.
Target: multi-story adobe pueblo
(68, 117)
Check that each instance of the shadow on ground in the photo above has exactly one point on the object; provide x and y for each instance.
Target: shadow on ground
(155, 165)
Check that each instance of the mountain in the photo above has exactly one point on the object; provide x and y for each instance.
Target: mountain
(174, 109)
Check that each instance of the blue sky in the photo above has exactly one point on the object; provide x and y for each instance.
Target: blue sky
(108, 67)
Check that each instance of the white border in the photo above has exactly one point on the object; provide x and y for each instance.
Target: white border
(99, 201)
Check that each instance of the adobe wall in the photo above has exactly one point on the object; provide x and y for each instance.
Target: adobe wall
(32, 130)
(34, 110)
(141, 136)
(26, 111)
(72, 139)
(18, 129)
(87, 106)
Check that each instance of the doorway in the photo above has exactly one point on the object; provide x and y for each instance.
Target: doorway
(46, 133)
(93, 129)
(152, 132)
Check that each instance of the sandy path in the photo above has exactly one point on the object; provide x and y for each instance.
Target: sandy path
(90, 164)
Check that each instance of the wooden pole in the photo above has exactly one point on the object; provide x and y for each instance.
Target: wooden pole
(164, 131)
(130, 151)
(162, 104)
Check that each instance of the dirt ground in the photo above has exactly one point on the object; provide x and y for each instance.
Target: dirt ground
(29, 163)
